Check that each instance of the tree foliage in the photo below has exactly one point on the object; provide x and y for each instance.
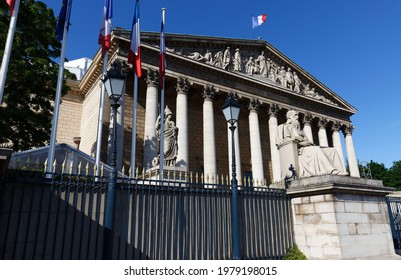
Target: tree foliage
(391, 177)
(26, 112)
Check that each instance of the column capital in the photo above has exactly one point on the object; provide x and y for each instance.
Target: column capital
(183, 85)
(308, 118)
(322, 123)
(209, 92)
(254, 104)
(336, 126)
(152, 78)
(273, 110)
(348, 129)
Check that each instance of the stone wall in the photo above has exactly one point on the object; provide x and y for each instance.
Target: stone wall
(338, 217)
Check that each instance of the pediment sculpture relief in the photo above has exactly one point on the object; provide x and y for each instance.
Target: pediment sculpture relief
(261, 66)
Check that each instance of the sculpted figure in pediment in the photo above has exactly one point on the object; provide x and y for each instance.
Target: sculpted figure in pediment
(208, 57)
(226, 58)
(289, 79)
(261, 62)
(218, 59)
(297, 83)
(237, 61)
(250, 66)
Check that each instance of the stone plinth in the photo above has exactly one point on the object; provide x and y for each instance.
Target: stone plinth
(288, 156)
(340, 217)
(170, 173)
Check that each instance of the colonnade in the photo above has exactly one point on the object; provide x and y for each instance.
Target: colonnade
(209, 138)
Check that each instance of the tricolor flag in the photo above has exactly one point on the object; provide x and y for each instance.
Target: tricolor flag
(134, 56)
(65, 13)
(256, 21)
(105, 27)
(11, 3)
(162, 62)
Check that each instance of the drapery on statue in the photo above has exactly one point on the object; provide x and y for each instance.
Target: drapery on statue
(170, 139)
(313, 160)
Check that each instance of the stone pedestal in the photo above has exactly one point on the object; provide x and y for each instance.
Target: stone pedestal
(288, 156)
(170, 173)
(340, 217)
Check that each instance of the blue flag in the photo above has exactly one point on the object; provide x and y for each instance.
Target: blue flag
(65, 13)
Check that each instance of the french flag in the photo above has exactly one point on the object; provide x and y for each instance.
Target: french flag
(259, 20)
(11, 3)
(162, 62)
(105, 28)
(134, 56)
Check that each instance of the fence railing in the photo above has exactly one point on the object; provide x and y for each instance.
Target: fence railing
(394, 209)
(63, 218)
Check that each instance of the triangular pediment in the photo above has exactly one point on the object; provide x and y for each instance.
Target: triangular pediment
(253, 60)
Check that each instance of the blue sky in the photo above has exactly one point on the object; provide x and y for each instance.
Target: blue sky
(351, 46)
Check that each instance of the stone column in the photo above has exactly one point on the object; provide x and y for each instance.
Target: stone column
(337, 142)
(182, 123)
(322, 133)
(307, 121)
(275, 156)
(151, 113)
(209, 144)
(256, 147)
(120, 133)
(349, 145)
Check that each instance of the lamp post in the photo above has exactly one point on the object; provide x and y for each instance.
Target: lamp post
(231, 109)
(114, 82)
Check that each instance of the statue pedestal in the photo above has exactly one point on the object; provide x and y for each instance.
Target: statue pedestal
(341, 218)
(288, 156)
(170, 173)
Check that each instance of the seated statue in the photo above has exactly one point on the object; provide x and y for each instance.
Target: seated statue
(312, 160)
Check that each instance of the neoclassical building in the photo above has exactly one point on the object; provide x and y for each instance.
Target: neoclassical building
(201, 72)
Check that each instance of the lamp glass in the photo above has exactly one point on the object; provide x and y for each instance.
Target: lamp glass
(231, 109)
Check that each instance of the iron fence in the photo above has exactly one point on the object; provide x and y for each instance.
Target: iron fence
(174, 219)
(394, 209)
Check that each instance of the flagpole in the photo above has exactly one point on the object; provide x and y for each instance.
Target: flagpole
(50, 155)
(161, 165)
(7, 49)
(134, 113)
(100, 118)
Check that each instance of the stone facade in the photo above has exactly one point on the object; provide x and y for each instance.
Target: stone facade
(195, 59)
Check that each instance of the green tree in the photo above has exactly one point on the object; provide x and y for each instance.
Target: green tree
(394, 175)
(26, 112)
(378, 170)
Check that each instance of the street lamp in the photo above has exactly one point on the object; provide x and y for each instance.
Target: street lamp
(231, 109)
(114, 82)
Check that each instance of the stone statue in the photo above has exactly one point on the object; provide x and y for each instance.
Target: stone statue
(313, 160)
(218, 59)
(170, 139)
(297, 83)
(261, 62)
(226, 58)
(237, 61)
(208, 57)
(289, 79)
(250, 66)
(195, 56)
(281, 76)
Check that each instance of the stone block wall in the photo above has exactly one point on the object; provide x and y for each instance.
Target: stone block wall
(69, 124)
(336, 221)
